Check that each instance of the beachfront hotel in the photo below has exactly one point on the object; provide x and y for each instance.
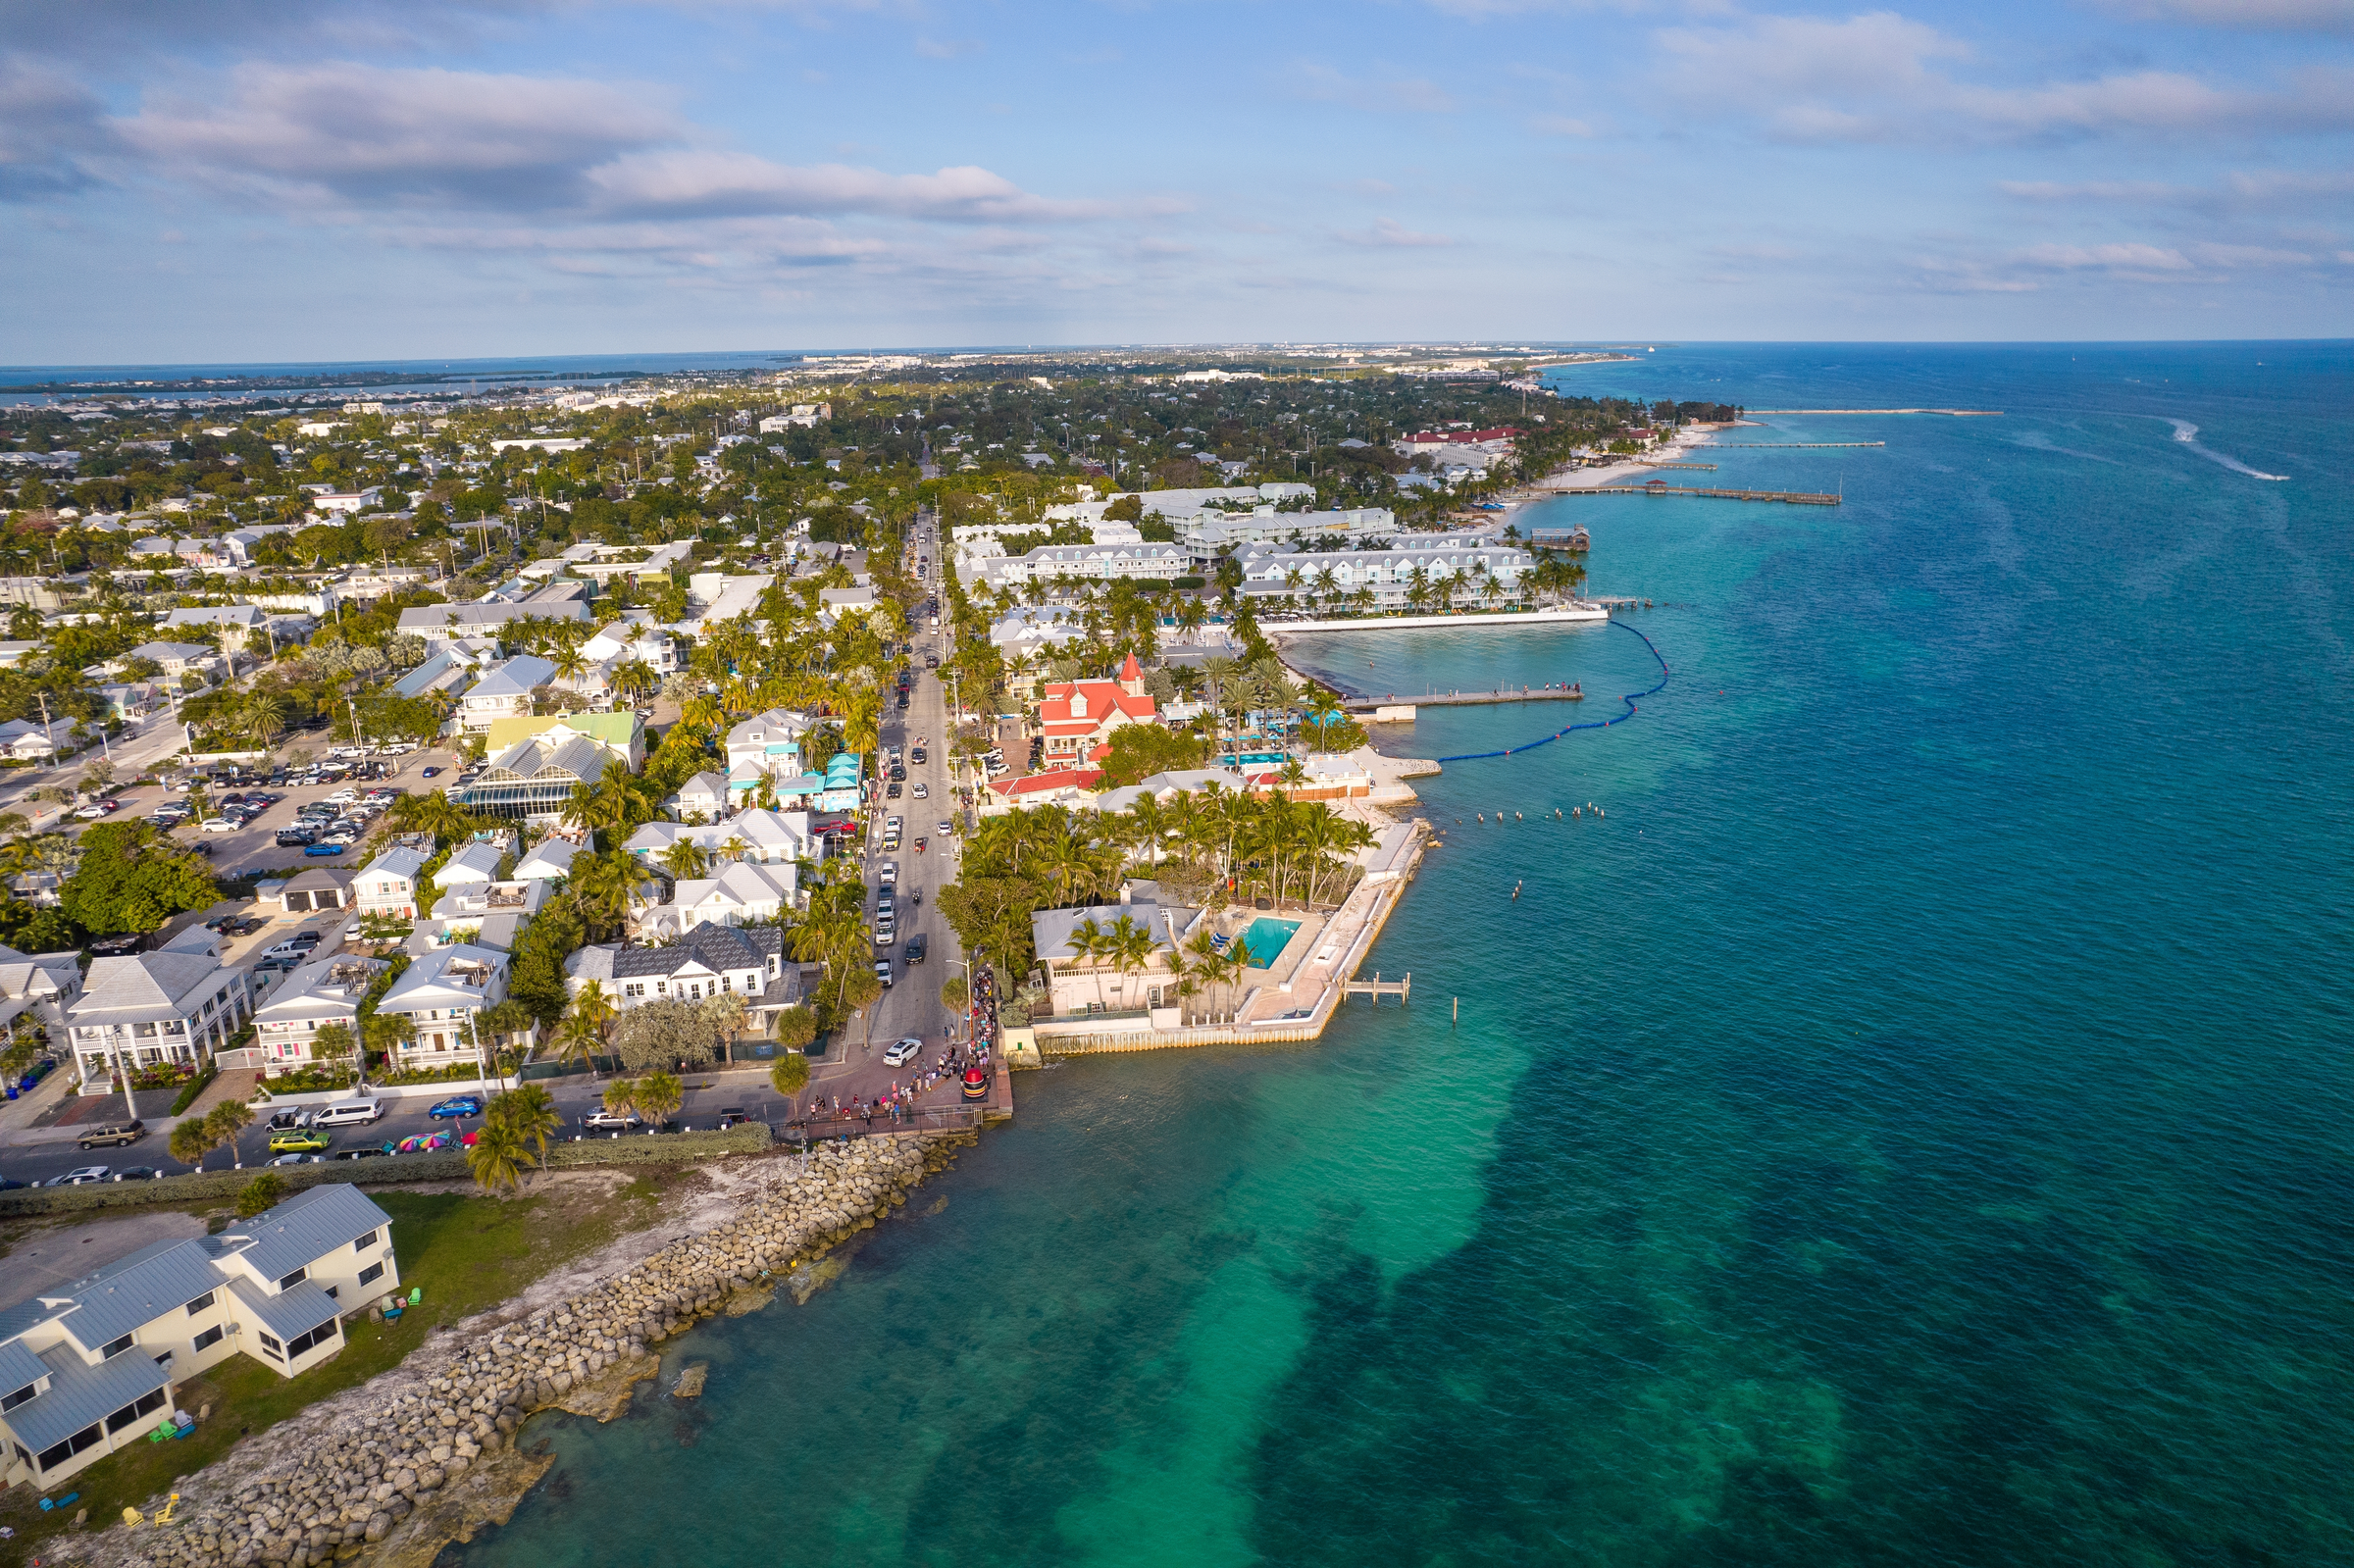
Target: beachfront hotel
(1472, 564)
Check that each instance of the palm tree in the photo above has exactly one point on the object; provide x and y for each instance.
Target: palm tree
(726, 1013)
(621, 1097)
(658, 1094)
(193, 1141)
(498, 1155)
(227, 1121)
(685, 860)
(262, 718)
(531, 1110)
(581, 1035)
(1132, 946)
(634, 678)
(604, 886)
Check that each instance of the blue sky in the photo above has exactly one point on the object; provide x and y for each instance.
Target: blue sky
(251, 179)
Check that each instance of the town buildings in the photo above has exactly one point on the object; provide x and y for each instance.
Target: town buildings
(1076, 717)
(707, 961)
(328, 991)
(171, 1008)
(443, 993)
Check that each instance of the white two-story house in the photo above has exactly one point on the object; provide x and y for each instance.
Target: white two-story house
(441, 993)
(388, 883)
(314, 996)
(708, 961)
(172, 1008)
(91, 1367)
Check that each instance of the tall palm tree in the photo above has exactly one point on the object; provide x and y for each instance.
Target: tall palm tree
(604, 886)
(498, 1155)
(532, 1111)
(262, 718)
(659, 1094)
(634, 678)
(685, 860)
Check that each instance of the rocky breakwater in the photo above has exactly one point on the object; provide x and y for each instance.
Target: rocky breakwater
(426, 1453)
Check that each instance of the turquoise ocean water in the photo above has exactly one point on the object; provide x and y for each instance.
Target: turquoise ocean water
(1913, 1125)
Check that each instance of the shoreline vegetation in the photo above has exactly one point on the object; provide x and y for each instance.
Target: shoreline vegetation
(433, 1448)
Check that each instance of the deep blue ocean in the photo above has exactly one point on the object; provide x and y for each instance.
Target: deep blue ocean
(1913, 1125)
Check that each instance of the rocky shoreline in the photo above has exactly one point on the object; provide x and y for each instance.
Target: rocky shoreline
(425, 1454)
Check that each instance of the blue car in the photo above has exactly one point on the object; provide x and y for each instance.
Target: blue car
(460, 1105)
(316, 850)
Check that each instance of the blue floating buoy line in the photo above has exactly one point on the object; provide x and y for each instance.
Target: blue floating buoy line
(1598, 724)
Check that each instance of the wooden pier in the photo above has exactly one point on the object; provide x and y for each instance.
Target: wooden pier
(1785, 447)
(1358, 707)
(1957, 413)
(1709, 466)
(1377, 987)
(1662, 488)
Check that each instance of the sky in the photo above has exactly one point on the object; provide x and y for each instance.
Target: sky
(262, 179)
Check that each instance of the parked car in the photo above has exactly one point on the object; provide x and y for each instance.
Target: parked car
(732, 1116)
(288, 1121)
(366, 1151)
(115, 1134)
(296, 838)
(330, 847)
(74, 1177)
(298, 1140)
(611, 1122)
(138, 1173)
(901, 1052)
(431, 773)
(219, 824)
(883, 972)
(458, 1105)
(246, 927)
(299, 1159)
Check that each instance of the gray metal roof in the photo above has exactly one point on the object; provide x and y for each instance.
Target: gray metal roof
(304, 1229)
(80, 1393)
(138, 1289)
(147, 988)
(296, 1309)
(19, 1367)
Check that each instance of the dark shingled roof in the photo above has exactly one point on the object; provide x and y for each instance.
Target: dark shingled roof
(714, 946)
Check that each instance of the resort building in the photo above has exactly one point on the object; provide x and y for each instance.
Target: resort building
(169, 1008)
(1473, 572)
(91, 1367)
(1077, 717)
(532, 778)
(314, 996)
(388, 885)
(1098, 563)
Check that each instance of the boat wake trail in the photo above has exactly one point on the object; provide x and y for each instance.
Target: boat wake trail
(2188, 434)
(1598, 723)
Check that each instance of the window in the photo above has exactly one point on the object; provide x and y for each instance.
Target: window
(209, 1338)
(364, 1243)
(116, 1349)
(132, 1412)
(70, 1447)
(271, 1346)
(316, 1336)
(12, 1400)
(295, 1277)
(333, 1291)
(200, 1303)
(372, 1273)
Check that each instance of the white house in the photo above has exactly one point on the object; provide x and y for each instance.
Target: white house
(735, 894)
(761, 838)
(91, 1367)
(43, 984)
(179, 658)
(706, 794)
(153, 1009)
(485, 914)
(388, 883)
(1083, 984)
(551, 858)
(314, 996)
(440, 993)
(710, 960)
(471, 863)
(504, 691)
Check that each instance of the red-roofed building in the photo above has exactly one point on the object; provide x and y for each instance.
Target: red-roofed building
(1058, 786)
(1077, 717)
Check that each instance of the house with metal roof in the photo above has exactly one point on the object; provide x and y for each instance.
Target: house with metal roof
(441, 625)
(469, 863)
(551, 858)
(734, 894)
(762, 837)
(486, 914)
(329, 991)
(319, 887)
(388, 885)
(710, 960)
(440, 993)
(704, 794)
(93, 1366)
(1082, 978)
(153, 1009)
(622, 733)
(504, 691)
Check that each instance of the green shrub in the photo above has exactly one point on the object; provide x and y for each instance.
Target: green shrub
(265, 1192)
(195, 1086)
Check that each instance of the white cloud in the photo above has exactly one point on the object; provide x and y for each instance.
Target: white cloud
(1389, 233)
(946, 49)
(50, 128)
(695, 183)
(1883, 77)
(2133, 256)
(1559, 126)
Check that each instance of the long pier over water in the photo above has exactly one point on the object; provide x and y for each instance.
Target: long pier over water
(1662, 488)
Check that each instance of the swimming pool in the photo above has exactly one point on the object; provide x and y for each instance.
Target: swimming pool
(1265, 938)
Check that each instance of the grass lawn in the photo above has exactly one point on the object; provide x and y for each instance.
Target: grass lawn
(468, 1252)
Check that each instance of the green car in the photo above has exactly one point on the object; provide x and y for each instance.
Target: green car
(298, 1140)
